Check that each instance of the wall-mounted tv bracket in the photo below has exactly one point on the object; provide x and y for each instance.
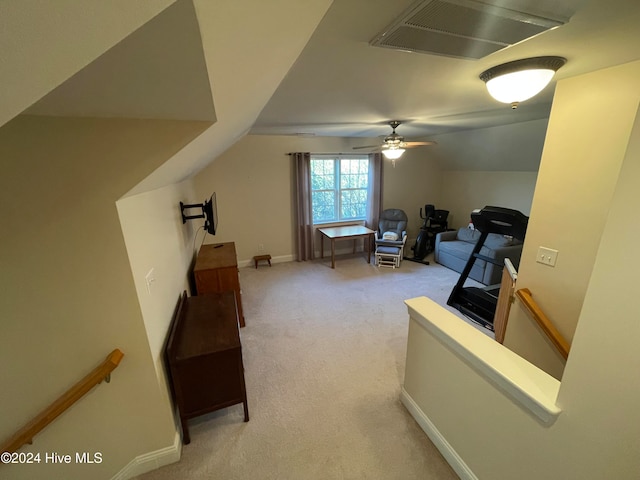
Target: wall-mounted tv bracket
(184, 206)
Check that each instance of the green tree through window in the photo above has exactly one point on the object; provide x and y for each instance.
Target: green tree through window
(339, 187)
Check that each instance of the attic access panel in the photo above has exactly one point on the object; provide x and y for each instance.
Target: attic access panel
(462, 28)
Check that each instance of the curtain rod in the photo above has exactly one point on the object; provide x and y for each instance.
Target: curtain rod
(330, 153)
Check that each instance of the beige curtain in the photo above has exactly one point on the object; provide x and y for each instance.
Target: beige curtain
(304, 213)
(375, 191)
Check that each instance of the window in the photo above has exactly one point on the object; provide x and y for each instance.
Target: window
(339, 187)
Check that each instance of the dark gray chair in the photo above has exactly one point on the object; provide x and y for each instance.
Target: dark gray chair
(391, 238)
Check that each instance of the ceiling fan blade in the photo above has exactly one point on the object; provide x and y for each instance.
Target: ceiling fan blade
(418, 144)
(367, 146)
(393, 141)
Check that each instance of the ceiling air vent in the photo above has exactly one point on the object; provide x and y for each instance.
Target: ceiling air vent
(462, 28)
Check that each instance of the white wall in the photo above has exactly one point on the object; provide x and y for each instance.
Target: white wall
(514, 147)
(156, 239)
(254, 184)
(510, 158)
(596, 435)
(599, 380)
(253, 181)
(68, 295)
(415, 181)
(464, 191)
(575, 187)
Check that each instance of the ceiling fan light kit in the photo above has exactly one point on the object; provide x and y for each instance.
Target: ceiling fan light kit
(517, 81)
(394, 145)
(393, 153)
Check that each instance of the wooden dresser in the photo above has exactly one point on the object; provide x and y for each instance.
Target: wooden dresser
(216, 270)
(204, 357)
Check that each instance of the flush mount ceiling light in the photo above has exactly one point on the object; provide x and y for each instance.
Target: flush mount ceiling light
(517, 81)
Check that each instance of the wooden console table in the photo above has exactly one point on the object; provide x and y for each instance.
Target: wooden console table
(216, 270)
(204, 357)
(344, 233)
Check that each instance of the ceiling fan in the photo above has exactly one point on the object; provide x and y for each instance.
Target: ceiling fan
(394, 144)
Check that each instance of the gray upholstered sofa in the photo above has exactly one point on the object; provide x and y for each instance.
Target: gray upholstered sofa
(453, 249)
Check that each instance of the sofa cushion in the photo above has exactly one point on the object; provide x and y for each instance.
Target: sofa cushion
(457, 264)
(453, 250)
(468, 235)
(458, 249)
(462, 250)
(388, 250)
(493, 241)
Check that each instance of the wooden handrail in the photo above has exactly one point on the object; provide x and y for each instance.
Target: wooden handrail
(543, 321)
(505, 299)
(48, 415)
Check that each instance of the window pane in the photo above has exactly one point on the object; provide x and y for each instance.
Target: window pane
(324, 207)
(354, 173)
(339, 188)
(353, 204)
(322, 174)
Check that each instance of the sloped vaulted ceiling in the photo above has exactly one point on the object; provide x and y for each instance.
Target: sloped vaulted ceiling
(157, 72)
(44, 43)
(158, 59)
(249, 46)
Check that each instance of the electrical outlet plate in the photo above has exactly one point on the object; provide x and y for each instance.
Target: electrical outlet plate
(547, 256)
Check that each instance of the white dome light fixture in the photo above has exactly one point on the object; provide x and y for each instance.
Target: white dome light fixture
(517, 81)
(393, 153)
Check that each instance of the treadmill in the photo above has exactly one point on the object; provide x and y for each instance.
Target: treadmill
(480, 303)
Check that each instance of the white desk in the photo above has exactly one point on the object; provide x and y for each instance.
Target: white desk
(344, 233)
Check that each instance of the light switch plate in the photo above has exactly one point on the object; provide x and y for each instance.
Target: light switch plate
(547, 256)
(149, 279)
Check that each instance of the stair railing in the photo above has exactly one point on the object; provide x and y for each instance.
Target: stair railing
(71, 396)
(543, 321)
(505, 299)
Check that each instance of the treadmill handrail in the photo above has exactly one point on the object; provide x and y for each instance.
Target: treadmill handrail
(498, 220)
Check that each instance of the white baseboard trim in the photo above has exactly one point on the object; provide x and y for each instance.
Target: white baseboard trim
(447, 451)
(151, 461)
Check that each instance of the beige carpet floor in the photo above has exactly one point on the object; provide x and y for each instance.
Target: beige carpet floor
(324, 355)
